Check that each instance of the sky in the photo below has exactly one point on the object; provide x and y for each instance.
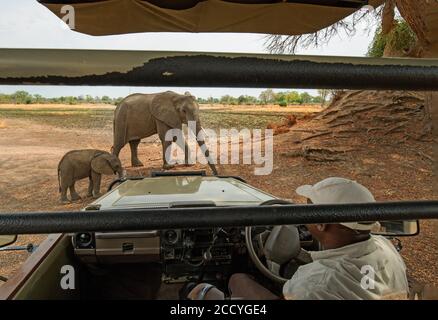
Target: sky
(27, 24)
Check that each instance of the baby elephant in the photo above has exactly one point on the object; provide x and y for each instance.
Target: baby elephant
(80, 164)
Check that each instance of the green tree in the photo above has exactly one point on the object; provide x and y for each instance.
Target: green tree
(397, 42)
(117, 101)
(293, 97)
(281, 98)
(37, 98)
(71, 100)
(21, 97)
(267, 96)
(317, 99)
(89, 98)
(226, 99)
(245, 99)
(305, 98)
(4, 98)
(323, 94)
(106, 100)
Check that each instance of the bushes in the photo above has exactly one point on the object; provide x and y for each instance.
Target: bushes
(282, 103)
(23, 97)
(282, 98)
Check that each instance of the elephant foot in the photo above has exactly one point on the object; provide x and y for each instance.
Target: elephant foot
(75, 197)
(97, 195)
(168, 166)
(188, 165)
(89, 195)
(64, 201)
(137, 163)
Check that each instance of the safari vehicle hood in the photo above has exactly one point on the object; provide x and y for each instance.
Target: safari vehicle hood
(172, 191)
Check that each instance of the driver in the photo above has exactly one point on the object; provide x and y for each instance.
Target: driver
(353, 264)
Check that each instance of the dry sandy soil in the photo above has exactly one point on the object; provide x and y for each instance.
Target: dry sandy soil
(30, 149)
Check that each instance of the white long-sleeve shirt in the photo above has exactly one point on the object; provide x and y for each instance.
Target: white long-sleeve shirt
(371, 269)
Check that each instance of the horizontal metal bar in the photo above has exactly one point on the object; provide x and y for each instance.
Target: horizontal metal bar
(156, 219)
(198, 69)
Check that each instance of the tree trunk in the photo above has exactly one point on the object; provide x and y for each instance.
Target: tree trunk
(398, 115)
(413, 13)
(388, 24)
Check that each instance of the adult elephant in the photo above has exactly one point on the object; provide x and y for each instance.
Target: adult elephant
(141, 115)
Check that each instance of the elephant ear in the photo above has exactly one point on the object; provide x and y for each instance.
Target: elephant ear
(163, 108)
(101, 164)
(188, 94)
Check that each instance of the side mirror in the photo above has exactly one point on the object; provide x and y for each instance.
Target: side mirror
(398, 228)
(7, 240)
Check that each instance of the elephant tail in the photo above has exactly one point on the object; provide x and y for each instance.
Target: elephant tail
(59, 169)
(59, 179)
(114, 132)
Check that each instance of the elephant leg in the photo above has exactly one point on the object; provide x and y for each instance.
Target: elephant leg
(90, 187)
(187, 159)
(184, 146)
(116, 149)
(166, 149)
(96, 178)
(64, 188)
(73, 193)
(134, 153)
(162, 129)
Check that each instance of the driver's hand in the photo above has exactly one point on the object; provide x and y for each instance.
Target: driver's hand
(212, 294)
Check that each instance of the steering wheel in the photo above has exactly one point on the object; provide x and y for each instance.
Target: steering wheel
(281, 245)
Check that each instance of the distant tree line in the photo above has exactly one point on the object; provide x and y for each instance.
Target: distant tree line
(23, 97)
(268, 96)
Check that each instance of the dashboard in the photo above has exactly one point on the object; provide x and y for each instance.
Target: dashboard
(182, 253)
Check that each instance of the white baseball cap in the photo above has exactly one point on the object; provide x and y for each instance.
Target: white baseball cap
(336, 190)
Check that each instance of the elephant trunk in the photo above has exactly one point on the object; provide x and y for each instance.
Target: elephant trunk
(204, 149)
(121, 173)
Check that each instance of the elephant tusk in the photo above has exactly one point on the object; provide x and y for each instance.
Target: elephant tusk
(205, 133)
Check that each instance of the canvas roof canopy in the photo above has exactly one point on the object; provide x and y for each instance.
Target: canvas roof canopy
(288, 17)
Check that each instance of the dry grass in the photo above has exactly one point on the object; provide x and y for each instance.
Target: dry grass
(92, 116)
(271, 108)
(3, 124)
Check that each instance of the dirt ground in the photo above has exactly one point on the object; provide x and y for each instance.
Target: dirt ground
(30, 148)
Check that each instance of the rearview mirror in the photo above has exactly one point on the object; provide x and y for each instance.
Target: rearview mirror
(7, 240)
(398, 228)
